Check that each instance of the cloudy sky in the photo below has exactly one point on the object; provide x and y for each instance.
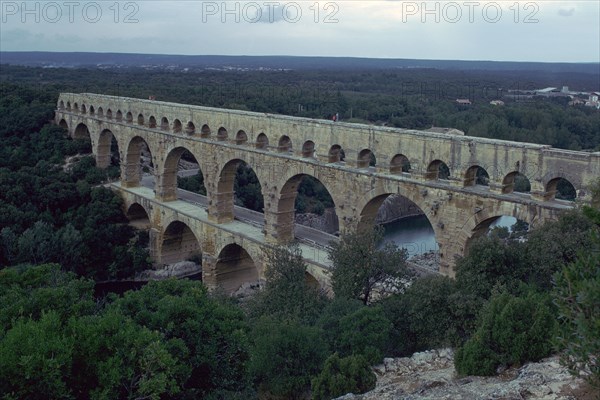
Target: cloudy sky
(541, 30)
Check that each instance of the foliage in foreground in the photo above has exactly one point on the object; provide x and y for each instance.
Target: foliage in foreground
(339, 376)
(577, 295)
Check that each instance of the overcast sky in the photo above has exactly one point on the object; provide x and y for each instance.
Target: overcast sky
(469, 30)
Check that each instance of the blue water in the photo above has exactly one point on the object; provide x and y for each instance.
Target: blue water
(415, 234)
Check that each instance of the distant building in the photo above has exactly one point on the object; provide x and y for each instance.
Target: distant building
(497, 102)
(576, 102)
(464, 102)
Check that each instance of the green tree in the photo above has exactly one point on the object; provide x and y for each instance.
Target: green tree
(343, 375)
(285, 357)
(577, 295)
(362, 266)
(287, 294)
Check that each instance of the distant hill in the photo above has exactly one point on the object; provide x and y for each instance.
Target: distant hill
(123, 60)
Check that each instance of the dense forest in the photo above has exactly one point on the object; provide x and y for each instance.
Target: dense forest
(61, 231)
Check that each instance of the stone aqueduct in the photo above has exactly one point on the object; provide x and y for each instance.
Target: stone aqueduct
(282, 149)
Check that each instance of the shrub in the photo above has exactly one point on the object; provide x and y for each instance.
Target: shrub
(510, 330)
(343, 375)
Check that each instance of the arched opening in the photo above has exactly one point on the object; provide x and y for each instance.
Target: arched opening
(262, 141)
(336, 154)
(560, 189)
(399, 164)
(119, 116)
(182, 170)
(129, 117)
(238, 185)
(107, 155)
(437, 169)
(164, 124)
(139, 168)
(235, 268)
(152, 122)
(92, 110)
(308, 149)
(190, 128)
(63, 124)
(100, 112)
(83, 109)
(138, 217)
(82, 132)
(140, 119)
(177, 127)
(285, 144)
(61, 105)
(305, 206)
(68, 106)
(503, 227)
(75, 107)
(516, 182)
(405, 224)
(241, 137)
(109, 114)
(222, 134)
(311, 281)
(205, 131)
(366, 159)
(179, 244)
(476, 175)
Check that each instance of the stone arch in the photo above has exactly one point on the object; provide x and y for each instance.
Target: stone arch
(138, 216)
(308, 149)
(284, 224)
(133, 166)
(129, 117)
(105, 151)
(516, 182)
(177, 126)
(164, 124)
(285, 144)
(81, 132)
(140, 119)
(63, 124)
(168, 176)
(75, 107)
(190, 128)
(479, 229)
(437, 169)
(152, 122)
(179, 243)
(234, 267)
(83, 109)
(119, 116)
(68, 106)
(262, 141)
(205, 131)
(560, 188)
(61, 105)
(336, 154)
(366, 158)
(224, 200)
(100, 112)
(222, 134)
(92, 110)
(109, 114)
(399, 164)
(476, 175)
(241, 137)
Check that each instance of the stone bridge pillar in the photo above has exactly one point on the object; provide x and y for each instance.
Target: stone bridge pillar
(209, 271)
(167, 184)
(220, 207)
(154, 243)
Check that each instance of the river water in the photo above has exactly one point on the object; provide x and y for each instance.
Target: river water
(417, 236)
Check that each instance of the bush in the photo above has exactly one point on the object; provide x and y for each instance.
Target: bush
(364, 332)
(510, 330)
(343, 375)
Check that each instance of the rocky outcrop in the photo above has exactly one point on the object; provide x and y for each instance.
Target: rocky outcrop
(177, 270)
(396, 207)
(426, 263)
(328, 222)
(431, 375)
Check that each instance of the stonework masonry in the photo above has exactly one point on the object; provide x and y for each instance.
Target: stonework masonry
(282, 149)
